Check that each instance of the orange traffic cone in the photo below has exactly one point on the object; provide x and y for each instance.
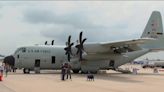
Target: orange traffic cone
(0, 77)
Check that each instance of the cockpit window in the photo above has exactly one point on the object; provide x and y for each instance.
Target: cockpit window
(20, 50)
(23, 49)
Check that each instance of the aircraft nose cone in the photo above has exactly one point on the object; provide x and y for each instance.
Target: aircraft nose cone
(9, 60)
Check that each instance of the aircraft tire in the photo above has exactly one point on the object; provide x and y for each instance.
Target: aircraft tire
(93, 72)
(86, 72)
(76, 71)
(26, 71)
(144, 67)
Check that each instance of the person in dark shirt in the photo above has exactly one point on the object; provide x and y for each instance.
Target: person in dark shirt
(63, 73)
(69, 71)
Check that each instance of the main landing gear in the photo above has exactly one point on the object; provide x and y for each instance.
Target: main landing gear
(76, 71)
(87, 72)
(26, 71)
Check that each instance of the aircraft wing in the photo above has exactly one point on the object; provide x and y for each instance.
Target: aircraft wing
(2, 56)
(131, 45)
(127, 42)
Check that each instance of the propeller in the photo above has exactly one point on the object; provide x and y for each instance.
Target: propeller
(68, 48)
(80, 47)
(46, 43)
(52, 42)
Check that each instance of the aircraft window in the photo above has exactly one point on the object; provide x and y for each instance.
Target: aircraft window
(17, 56)
(23, 49)
(20, 49)
(36, 51)
(53, 59)
(17, 50)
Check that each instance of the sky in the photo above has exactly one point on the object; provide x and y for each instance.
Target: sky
(34, 22)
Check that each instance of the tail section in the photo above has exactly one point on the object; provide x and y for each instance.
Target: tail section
(154, 27)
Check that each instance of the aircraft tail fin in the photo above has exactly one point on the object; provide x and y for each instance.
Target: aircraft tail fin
(154, 30)
(154, 27)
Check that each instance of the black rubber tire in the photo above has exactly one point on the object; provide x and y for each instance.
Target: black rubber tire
(75, 71)
(144, 67)
(26, 71)
(93, 72)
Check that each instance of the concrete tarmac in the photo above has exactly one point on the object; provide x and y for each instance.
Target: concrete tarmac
(111, 81)
(4, 88)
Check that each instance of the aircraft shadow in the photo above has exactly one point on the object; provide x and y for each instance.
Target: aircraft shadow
(150, 74)
(119, 77)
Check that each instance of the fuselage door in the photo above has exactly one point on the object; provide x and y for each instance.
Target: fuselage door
(53, 58)
(37, 63)
(111, 63)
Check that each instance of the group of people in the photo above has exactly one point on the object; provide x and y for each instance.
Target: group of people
(135, 71)
(66, 71)
(4, 68)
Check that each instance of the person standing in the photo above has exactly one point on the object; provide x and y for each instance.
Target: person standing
(6, 68)
(1, 72)
(155, 70)
(1, 69)
(69, 71)
(63, 73)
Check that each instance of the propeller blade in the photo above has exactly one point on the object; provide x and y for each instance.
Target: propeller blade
(82, 47)
(71, 44)
(68, 57)
(69, 40)
(52, 42)
(81, 52)
(79, 46)
(80, 37)
(46, 43)
(65, 48)
(68, 48)
(84, 40)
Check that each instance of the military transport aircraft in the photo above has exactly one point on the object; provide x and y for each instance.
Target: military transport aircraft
(91, 57)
